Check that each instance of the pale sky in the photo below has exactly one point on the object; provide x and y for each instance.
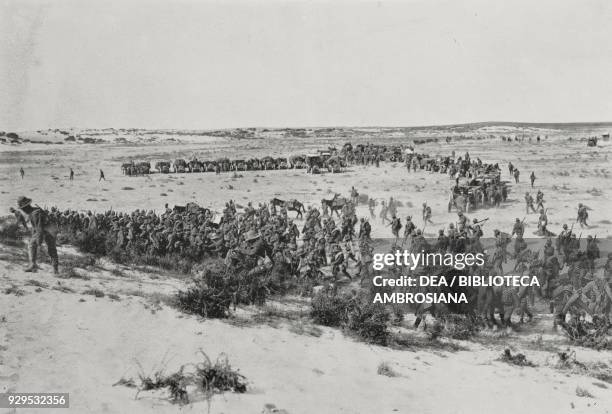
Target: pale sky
(221, 64)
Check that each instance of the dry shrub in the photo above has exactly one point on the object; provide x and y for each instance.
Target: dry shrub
(329, 309)
(218, 377)
(94, 292)
(14, 290)
(63, 289)
(355, 313)
(567, 362)
(385, 369)
(369, 321)
(588, 334)
(210, 294)
(176, 384)
(9, 232)
(453, 326)
(94, 242)
(581, 392)
(37, 283)
(516, 359)
(209, 378)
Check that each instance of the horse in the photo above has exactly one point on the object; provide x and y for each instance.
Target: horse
(505, 299)
(335, 204)
(291, 205)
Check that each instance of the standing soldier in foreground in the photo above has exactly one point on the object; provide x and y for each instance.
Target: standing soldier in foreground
(43, 229)
(409, 229)
(371, 205)
(529, 203)
(583, 215)
(396, 226)
(519, 228)
(539, 200)
(426, 214)
(354, 196)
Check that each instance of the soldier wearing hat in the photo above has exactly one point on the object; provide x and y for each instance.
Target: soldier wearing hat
(396, 225)
(583, 215)
(371, 205)
(43, 230)
(529, 203)
(427, 214)
(443, 241)
(519, 228)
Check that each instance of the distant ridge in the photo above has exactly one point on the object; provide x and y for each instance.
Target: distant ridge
(551, 125)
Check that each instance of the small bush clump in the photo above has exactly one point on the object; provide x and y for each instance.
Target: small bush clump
(453, 326)
(216, 287)
(94, 292)
(219, 377)
(386, 370)
(208, 377)
(516, 359)
(355, 313)
(588, 334)
(210, 295)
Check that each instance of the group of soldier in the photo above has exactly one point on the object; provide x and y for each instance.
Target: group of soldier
(267, 238)
(264, 235)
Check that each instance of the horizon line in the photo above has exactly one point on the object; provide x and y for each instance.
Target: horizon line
(463, 124)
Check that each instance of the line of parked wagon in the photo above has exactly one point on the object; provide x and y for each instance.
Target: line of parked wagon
(329, 160)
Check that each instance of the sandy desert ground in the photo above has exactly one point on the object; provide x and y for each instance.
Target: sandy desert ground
(54, 338)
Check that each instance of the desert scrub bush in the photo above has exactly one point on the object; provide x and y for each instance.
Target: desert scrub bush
(208, 377)
(453, 326)
(355, 313)
(14, 290)
(94, 292)
(9, 231)
(94, 242)
(588, 334)
(385, 369)
(176, 384)
(329, 308)
(218, 377)
(582, 392)
(369, 321)
(516, 359)
(210, 293)
(215, 287)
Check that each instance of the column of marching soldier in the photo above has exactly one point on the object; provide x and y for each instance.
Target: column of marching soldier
(268, 234)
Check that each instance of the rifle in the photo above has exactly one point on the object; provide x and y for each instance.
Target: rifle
(481, 221)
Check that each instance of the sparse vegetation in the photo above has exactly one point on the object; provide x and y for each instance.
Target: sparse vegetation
(588, 334)
(453, 326)
(516, 359)
(581, 392)
(94, 292)
(385, 369)
(355, 313)
(14, 290)
(209, 377)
